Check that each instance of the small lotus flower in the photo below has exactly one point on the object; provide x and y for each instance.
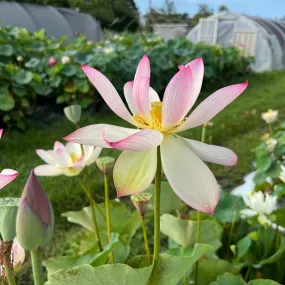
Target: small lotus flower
(17, 255)
(20, 58)
(6, 175)
(259, 205)
(140, 201)
(66, 160)
(35, 218)
(52, 61)
(73, 113)
(105, 164)
(116, 36)
(65, 59)
(157, 124)
(282, 174)
(270, 116)
(271, 144)
(89, 43)
(108, 50)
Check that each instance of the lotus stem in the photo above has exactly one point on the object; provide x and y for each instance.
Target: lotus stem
(146, 244)
(36, 255)
(232, 230)
(157, 220)
(108, 218)
(8, 265)
(92, 202)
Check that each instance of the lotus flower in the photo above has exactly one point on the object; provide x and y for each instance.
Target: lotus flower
(157, 124)
(259, 205)
(6, 175)
(66, 160)
(270, 116)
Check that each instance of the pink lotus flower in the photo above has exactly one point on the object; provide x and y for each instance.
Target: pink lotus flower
(157, 124)
(6, 175)
(17, 255)
(52, 61)
(66, 160)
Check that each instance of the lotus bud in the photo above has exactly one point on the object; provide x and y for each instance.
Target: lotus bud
(20, 58)
(105, 164)
(73, 113)
(8, 214)
(52, 61)
(140, 201)
(35, 219)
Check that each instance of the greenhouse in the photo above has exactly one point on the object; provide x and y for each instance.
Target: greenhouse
(56, 21)
(261, 38)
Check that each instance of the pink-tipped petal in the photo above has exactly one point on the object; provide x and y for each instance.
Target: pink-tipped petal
(128, 91)
(108, 92)
(143, 69)
(63, 158)
(47, 156)
(58, 145)
(197, 68)
(48, 170)
(1, 132)
(211, 106)
(7, 176)
(188, 175)
(141, 97)
(134, 172)
(177, 98)
(132, 140)
(213, 153)
(91, 135)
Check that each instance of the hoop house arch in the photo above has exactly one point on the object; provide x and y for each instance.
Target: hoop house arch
(264, 39)
(56, 21)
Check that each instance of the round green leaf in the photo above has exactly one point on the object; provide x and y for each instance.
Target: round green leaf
(68, 70)
(23, 77)
(7, 103)
(33, 62)
(6, 50)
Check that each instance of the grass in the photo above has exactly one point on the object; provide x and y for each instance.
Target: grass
(238, 127)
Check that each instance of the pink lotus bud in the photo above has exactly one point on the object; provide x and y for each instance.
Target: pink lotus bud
(20, 58)
(52, 61)
(35, 218)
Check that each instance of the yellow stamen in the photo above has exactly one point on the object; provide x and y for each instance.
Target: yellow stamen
(75, 157)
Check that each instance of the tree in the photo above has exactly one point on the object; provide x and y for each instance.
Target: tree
(204, 11)
(166, 14)
(223, 8)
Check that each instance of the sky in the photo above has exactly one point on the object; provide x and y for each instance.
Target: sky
(261, 8)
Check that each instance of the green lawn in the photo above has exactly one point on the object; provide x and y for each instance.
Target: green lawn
(238, 127)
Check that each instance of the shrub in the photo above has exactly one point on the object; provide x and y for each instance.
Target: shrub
(36, 70)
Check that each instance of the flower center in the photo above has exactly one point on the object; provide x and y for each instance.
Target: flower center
(75, 157)
(156, 115)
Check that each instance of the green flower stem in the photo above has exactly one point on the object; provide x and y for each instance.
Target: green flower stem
(231, 231)
(92, 203)
(185, 279)
(198, 238)
(270, 129)
(8, 266)
(36, 255)
(146, 244)
(157, 219)
(108, 218)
